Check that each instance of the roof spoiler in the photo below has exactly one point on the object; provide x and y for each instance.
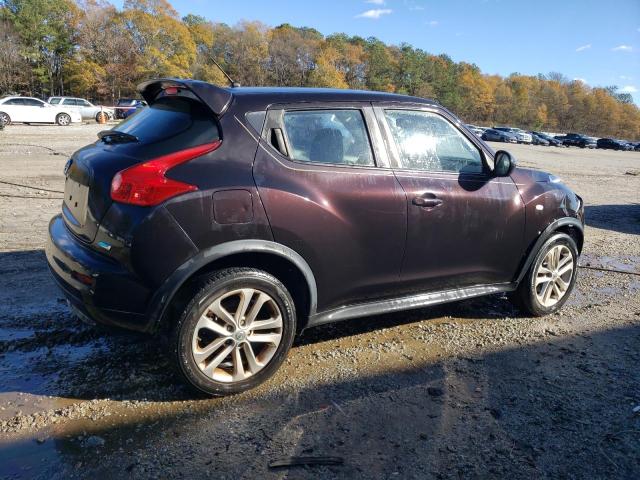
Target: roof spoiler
(216, 98)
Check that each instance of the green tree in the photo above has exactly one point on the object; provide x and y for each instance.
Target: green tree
(46, 29)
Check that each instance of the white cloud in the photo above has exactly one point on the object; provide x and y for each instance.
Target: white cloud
(416, 8)
(623, 48)
(375, 2)
(433, 23)
(625, 77)
(375, 13)
(580, 80)
(583, 47)
(628, 89)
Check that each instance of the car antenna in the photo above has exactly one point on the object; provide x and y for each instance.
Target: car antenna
(233, 84)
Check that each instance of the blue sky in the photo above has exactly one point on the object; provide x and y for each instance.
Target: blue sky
(596, 41)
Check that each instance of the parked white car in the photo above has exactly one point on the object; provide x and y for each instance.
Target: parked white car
(33, 110)
(87, 110)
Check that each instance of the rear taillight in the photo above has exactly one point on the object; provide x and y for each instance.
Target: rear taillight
(146, 184)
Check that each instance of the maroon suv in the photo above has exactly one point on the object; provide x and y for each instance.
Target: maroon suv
(236, 217)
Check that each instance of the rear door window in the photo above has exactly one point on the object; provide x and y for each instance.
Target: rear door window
(336, 137)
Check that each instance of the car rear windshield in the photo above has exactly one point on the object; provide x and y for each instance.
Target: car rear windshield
(182, 121)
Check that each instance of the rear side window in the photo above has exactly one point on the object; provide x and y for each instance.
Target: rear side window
(328, 136)
(54, 101)
(179, 121)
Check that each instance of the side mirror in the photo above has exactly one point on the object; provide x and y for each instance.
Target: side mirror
(504, 164)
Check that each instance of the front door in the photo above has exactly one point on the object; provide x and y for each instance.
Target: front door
(465, 226)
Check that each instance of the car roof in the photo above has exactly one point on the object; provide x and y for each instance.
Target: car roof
(298, 94)
(9, 97)
(218, 98)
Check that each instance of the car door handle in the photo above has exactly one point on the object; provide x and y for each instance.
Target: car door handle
(428, 200)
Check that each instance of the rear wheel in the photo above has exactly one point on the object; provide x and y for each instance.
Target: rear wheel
(63, 119)
(5, 118)
(235, 332)
(550, 279)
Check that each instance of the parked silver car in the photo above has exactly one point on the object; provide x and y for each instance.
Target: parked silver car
(521, 135)
(87, 110)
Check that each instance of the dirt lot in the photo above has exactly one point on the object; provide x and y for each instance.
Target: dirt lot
(468, 390)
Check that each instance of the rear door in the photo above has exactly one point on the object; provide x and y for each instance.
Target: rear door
(330, 196)
(465, 226)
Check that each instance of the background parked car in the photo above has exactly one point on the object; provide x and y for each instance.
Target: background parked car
(493, 135)
(521, 135)
(538, 140)
(128, 106)
(609, 144)
(577, 140)
(477, 131)
(87, 110)
(552, 141)
(34, 110)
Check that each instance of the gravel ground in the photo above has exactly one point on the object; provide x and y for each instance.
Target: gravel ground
(467, 390)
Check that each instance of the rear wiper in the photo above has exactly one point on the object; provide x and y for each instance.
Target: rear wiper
(114, 136)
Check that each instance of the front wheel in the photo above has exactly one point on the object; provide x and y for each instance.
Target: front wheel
(5, 118)
(235, 332)
(63, 119)
(550, 279)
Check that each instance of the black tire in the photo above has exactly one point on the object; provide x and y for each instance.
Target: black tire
(6, 119)
(102, 114)
(525, 298)
(205, 290)
(63, 119)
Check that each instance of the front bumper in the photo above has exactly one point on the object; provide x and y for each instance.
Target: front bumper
(94, 284)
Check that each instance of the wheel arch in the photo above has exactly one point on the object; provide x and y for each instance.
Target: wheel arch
(568, 225)
(282, 262)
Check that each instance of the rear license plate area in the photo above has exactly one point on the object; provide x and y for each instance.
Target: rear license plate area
(76, 196)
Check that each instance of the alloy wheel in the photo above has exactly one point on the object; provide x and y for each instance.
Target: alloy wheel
(64, 119)
(237, 335)
(554, 275)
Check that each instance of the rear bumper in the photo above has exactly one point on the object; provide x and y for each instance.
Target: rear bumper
(95, 285)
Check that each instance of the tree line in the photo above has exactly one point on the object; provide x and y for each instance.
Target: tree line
(90, 48)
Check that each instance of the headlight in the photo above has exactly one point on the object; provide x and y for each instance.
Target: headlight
(554, 179)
